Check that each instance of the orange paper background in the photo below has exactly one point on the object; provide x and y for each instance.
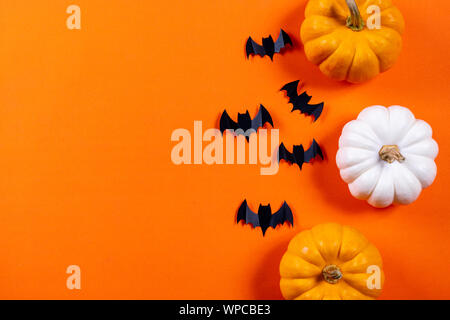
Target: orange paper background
(86, 176)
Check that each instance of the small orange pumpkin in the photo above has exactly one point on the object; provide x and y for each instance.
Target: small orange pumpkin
(337, 36)
(331, 261)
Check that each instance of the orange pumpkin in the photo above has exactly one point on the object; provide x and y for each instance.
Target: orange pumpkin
(344, 40)
(331, 261)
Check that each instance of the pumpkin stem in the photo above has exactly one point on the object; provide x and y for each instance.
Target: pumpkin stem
(332, 274)
(354, 21)
(390, 153)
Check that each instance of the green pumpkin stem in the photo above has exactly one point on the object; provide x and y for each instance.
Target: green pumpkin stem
(332, 274)
(354, 21)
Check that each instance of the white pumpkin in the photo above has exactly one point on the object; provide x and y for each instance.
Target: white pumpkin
(387, 156)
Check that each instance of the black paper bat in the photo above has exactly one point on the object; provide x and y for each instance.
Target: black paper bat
(268, 47)
(299, 155)
(301, 102)
(264, 218)
(244, 121)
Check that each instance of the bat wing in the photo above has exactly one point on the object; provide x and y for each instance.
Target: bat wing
(252, 47)
(314, 110)
(281, 216)
(261, 118)
(227, 123)
(291, 90)
(313, 151)
(249, 217)
(282, 41)
(297, 156)
(284, 154)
